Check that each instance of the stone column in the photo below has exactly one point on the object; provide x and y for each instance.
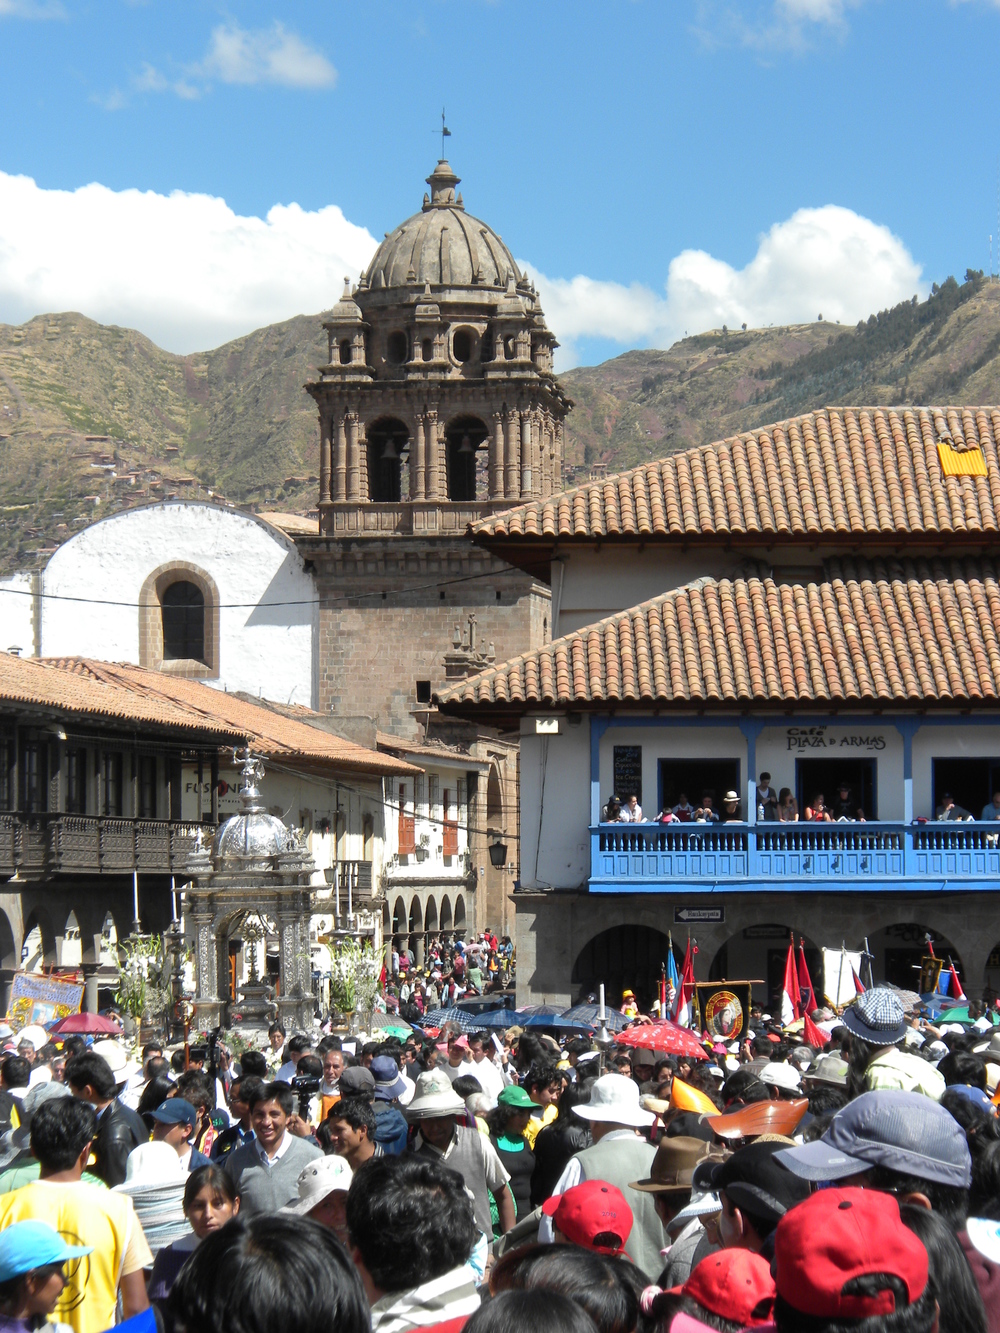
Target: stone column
(557, 468)
(324, 457)
(432, 484)
(496, 458)
(525, 455)
(417, 460)
(511, 456)
(353, 458)
(340, 460)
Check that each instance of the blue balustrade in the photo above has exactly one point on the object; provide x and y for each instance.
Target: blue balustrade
(628, 857)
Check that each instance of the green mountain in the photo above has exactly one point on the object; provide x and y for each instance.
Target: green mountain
(96, 418)
(647, 404)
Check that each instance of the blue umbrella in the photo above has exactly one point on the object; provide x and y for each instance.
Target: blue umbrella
(591, 1015)
(552, 1021)
(436, 1018)
(497, 1018)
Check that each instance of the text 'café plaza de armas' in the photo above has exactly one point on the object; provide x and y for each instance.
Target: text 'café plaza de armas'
(817, 600)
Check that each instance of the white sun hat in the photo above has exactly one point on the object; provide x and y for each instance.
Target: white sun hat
(321, 1177)
(117, 1057)
(614, 1099)
(435, 1096)
(783, 1076)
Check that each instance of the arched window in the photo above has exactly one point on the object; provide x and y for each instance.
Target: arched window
(345, 352)
(183, 610)
(396, 348)
(388, 441)
(466, 459)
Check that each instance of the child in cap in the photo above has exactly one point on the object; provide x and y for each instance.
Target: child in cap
(32, 1257)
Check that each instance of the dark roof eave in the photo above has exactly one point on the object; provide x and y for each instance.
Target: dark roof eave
(737, 707)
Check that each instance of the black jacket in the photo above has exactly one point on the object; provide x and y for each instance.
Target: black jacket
(555, 1145)
(119, 1130)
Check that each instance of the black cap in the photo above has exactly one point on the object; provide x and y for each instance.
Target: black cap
(755, 1180)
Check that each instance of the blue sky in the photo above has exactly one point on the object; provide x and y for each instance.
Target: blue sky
(605, 142)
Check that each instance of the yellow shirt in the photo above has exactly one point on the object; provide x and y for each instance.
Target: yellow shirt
(537, 1123)
(85, 1215)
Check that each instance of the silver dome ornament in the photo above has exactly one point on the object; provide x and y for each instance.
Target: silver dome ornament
(253, 839)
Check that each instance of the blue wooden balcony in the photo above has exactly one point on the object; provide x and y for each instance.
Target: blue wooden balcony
(843, 857)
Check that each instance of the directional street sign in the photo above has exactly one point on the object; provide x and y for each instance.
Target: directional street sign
(685, 916)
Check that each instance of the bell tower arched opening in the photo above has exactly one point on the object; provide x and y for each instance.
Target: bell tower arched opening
(466, 458)
(388, 441)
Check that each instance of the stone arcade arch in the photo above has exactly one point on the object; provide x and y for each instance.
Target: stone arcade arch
(38, 948)
(622, 957)
(460, 919)
(417, 931)
(431, 917)
(399, 924)
(758, 953)
(446, 922)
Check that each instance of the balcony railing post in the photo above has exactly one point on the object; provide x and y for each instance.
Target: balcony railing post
(909, 859)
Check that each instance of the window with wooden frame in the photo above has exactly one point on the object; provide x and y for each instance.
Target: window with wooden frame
(147, 786)
(449, 824)
(112, 794)
(34, 782)
(76, 781)
(407, 827)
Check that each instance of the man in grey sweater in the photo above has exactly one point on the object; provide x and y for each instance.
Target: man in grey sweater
(266, 1170)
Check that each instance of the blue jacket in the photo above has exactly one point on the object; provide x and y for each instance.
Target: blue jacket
(391, 1129)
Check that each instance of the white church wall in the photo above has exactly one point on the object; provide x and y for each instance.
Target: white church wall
(16, 612)
(269, 609)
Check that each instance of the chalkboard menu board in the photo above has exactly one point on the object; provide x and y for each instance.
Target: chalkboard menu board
(628, 772)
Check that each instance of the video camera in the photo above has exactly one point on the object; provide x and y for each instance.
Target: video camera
(305, 1088)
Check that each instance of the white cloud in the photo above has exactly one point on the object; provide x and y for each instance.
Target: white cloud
(272, 55)
(190, 273)
(828, 261)
(771, 25)
(234, 56)
(183, 268)
(32, 9)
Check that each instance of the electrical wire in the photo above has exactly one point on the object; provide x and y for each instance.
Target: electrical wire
(242, 606)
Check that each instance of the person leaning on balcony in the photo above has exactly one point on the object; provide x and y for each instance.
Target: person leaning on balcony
(788, 807)
(846, 807)
(631, 812)
(731, 808)
(611, 814)
(705, 814)
(992, 809)
(684, 810)
(817, 813)
(766, 798)
(948, 810)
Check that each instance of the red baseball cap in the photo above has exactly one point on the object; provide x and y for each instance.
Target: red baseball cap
(591, 1212)
(734, 1284)
(836, 1235)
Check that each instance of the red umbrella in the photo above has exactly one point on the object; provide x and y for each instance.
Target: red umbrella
(90, 1025)
(663, 1036)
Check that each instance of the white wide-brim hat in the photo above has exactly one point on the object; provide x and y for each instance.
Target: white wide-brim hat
(614, 1099)
(435, 1096)
(324, 1176)
(117, 1058)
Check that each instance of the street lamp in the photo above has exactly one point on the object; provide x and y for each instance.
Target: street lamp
(498, 854)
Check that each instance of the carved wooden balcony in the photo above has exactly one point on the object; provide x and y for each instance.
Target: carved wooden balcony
(36, 846)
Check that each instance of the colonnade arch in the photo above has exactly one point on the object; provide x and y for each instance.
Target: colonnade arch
(411, 926)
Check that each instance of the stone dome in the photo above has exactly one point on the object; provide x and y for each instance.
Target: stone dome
(253, 838)
(442, 245)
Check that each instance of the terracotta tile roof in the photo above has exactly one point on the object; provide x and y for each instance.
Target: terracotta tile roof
(152, 695)
(840, 471)
(884, 632)
(44, 683)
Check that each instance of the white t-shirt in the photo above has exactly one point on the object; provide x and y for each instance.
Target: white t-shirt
(458, 1071)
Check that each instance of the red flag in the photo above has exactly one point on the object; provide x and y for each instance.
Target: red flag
(812, 1035)
(858, 987)
(791, 999)
(956, 986)
(685, 1008)
(806, 992)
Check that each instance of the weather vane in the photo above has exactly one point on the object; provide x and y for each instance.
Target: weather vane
(445, 133)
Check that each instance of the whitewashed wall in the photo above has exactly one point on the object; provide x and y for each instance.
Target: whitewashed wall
(555, 806)
(264, 649)
(16, 628)
(425, 806)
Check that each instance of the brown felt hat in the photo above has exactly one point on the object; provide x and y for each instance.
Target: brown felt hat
(749, 1122)
(672, 1169)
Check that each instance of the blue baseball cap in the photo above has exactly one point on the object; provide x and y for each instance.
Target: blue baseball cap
(25, 1246)
(175, 1111)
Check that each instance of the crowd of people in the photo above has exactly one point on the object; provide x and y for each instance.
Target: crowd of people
(775, 807)
(448, 1181)
(452, 969)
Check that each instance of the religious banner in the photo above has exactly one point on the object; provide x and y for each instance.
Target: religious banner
(839, 969)
(724, 1007)
(41, 1000)
(930, 974)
